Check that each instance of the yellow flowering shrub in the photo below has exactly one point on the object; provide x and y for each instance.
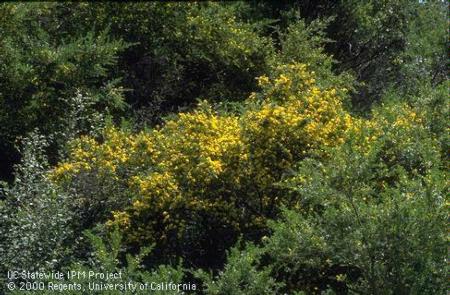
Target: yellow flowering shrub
(390, 121)
(292, 119)
(88, 154)
(187, 163)
(295, 119)
(203, 171)
(399, 133)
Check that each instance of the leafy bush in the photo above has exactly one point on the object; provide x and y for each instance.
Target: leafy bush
(305, 43)
(240, 275)
(432, 102)
(182, 51)
(425, 57)
(370, 218)
(106, 259)
(35, 227)
(41, 69)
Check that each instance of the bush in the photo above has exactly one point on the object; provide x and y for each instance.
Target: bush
(305, 43)
(107, 259)
(240, 275)
(393, 243)
(182, 51)
(42, 69)
(371, 217)
(35, 227)
(203, 173)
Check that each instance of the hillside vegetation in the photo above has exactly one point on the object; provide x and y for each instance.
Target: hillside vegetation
(246, 147)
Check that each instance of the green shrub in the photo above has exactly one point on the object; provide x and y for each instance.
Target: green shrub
(370, 219)
(35, 227)
(42, 70)
(107, 259)
(241, 275)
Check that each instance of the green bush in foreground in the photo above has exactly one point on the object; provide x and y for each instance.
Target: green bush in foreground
(35, 221)
(369, 220)
(106, 260)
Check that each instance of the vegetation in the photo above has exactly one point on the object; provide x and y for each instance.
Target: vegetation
(244, 147)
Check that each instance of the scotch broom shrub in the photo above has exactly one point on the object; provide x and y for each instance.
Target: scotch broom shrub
(196, 183)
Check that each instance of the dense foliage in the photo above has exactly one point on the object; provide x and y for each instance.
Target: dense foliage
(250, 148)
